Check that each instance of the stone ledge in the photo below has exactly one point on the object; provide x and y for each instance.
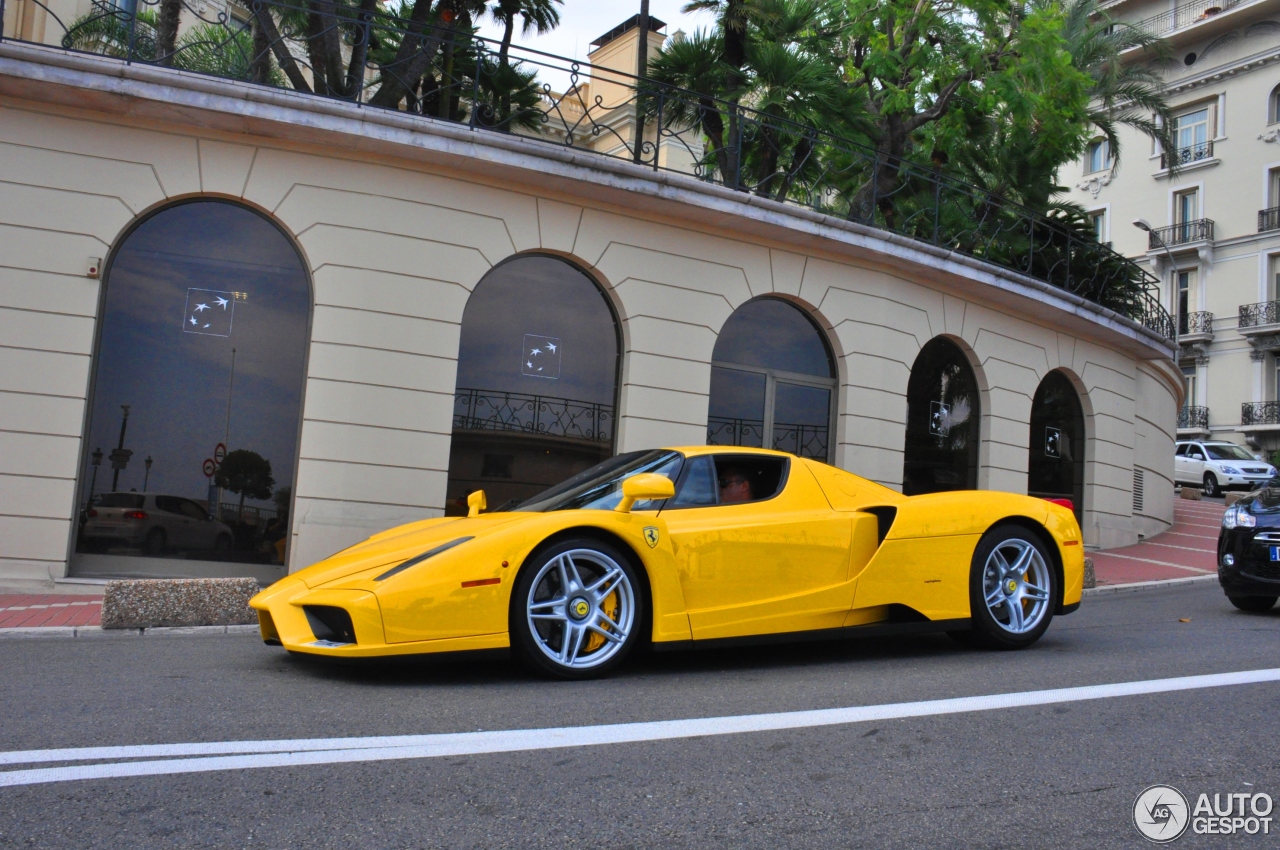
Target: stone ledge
(148, 603)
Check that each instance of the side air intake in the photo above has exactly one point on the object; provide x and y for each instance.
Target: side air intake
(885, 517)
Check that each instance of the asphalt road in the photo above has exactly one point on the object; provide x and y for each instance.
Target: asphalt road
(1061, 775)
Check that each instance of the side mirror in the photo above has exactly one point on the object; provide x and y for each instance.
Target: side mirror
(643, 487)
(476, 502)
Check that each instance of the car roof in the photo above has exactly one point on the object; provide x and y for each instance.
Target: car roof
(695, 451)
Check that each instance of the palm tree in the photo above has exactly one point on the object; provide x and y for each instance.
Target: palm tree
(538, 16)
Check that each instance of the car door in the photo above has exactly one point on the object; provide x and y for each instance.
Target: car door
(774, 564)
(1195, 463)
(1180, 463)
(177, 527)
(202, 529)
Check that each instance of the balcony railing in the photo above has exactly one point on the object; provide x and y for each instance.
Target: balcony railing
(1184, 233)
(1265, 313)
(445, 73)
(1194, 416)
(1269, 219)
(1200, 322)
(1260, 413)
(491, 410)
(1184, 16)
(1187, 155)
(804, 440)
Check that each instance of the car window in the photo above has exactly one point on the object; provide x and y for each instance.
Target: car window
(193, 510)
(1228, 452)
(749, 478)
(1182, 450)
(1194, 453)
(600, 487)
(698, 487)
(169, 504)
(119, 500)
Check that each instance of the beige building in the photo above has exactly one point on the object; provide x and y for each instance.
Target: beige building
(199, 277)
(1216, 246)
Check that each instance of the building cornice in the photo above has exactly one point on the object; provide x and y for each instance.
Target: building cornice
(1206, 78)
(47, 77)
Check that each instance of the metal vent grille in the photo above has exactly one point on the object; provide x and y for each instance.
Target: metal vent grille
(1139, 489)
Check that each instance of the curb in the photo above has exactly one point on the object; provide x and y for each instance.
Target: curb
(99, 632)
(1136, 586)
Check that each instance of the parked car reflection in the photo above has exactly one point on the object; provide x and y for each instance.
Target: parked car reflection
(155, 524)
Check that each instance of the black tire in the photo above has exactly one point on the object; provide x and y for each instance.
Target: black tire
(222, 543)
(1211, 487)
(155, 542)
(624, 600)
(1010, 630)
(1253, 604)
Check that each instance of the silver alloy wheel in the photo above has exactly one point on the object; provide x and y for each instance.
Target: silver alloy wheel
(1015, 585)
(581, 608)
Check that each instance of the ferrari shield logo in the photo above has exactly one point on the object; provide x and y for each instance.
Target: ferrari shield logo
(651, 536)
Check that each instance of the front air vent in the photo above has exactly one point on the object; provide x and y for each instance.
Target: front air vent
(1139, 489)
(420, 558)
(331, 623)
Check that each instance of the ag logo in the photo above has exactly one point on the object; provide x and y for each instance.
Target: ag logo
(1160, 813)
(651, 536)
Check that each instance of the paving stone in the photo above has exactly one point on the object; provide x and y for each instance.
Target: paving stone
(149, 603)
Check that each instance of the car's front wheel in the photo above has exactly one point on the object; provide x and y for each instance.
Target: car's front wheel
(577, 609)
(155, 542)
(1254, 604)
(1012, 588)
(1211, 487)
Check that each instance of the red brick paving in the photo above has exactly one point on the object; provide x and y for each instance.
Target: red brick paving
(1188, 548)
(24, 610)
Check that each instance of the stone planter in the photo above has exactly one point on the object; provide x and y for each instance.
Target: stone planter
(148, 603)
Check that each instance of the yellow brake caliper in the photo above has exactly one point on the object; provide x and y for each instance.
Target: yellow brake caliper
(610, 609)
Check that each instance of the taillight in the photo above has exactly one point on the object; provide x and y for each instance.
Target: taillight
(92, 512)
(135, 515)
(1066, 503)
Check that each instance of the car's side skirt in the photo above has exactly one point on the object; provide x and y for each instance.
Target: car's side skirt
(846, 633)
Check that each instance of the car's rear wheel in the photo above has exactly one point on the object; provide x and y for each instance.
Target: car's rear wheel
(577, 609)
(1254, 604)
(155, 541)
(1012, 588)
(222, 543)
(1211, 487)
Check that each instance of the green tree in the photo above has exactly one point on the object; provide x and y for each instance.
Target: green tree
(247, 473)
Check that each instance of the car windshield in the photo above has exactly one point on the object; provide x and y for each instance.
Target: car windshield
(600, 487)
(119, 500)
(1228, 452)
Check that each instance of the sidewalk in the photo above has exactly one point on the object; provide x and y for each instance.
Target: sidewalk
(1188, 548)
(33, 610)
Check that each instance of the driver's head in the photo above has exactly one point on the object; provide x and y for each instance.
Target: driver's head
(735, 485)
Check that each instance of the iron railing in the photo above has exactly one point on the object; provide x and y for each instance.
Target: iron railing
(1194, 416)
(332, 49)
(1260, 413)
(1182, 233)
(492, 410)
(1264, 313)
(1187, 155)
(799, 439)
(1269, 219)
(1200, 322)
(1183, 16)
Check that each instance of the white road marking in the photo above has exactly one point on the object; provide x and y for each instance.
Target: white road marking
(243, 755)
(1153, 561)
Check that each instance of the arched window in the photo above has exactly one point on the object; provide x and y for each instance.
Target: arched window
(537, 382)
(1055, 468)
(1273, 106)
(943, 421)
(772, 381)
(197, 394)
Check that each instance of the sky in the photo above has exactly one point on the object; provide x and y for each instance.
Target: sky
(583, 21)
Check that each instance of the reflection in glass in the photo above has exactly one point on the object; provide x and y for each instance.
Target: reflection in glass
(537, 372)
(943, 420)
(736, 408)
(1056, 463)
(201, 345)
(772, 379)
(807, 411)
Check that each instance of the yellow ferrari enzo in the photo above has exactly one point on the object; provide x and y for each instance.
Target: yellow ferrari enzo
(689, 547)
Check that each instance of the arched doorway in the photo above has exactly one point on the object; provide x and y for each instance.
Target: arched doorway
(192, 437)
(773, 381)
(1055, 468)
(537, 382)
(943, 421)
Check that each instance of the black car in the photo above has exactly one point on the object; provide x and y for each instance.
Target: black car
(1249, 550)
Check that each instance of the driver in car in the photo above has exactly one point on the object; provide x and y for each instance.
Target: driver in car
(735, 486)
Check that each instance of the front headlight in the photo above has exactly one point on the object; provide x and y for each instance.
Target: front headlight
(1237, 516)
(1231, 470)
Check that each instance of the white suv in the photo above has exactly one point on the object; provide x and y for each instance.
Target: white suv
(1218, 466)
